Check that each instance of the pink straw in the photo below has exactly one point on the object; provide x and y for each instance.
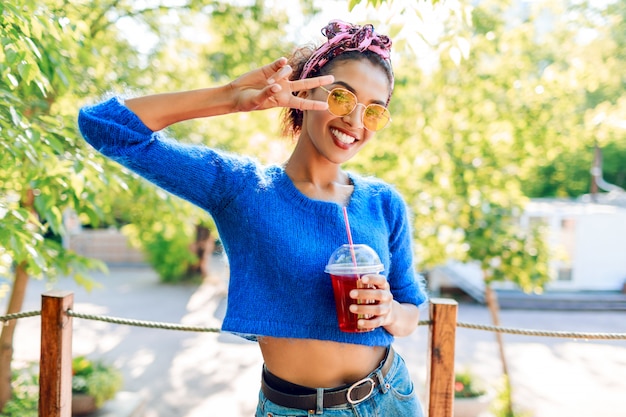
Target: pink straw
(347, 222)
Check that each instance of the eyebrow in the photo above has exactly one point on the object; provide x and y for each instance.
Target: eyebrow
(351, 89)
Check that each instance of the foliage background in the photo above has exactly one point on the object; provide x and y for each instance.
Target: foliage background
(510, 110)
(496, 102)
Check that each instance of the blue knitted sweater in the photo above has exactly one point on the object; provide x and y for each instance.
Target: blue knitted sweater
(277, 240)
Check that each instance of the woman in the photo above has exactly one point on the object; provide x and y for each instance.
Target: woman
(280, 224)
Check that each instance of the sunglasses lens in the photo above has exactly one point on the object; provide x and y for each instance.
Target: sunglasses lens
(376, 117)
(341, 102)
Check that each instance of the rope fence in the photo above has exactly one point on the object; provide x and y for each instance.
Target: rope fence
(187, 328)
(55, 365)
(545, 333)
(143, 323)
(20, 315)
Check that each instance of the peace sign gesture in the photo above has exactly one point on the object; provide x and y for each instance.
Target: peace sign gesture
(269, 86)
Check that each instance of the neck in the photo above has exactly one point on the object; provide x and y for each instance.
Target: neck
(317, 177)
(306, 165)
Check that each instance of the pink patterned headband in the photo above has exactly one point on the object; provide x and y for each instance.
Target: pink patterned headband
(344, 37)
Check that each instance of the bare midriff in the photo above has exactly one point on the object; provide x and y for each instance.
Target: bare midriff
(318, 363)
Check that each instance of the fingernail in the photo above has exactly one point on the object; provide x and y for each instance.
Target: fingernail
(354, 294)
(284, 71)
(275, 88)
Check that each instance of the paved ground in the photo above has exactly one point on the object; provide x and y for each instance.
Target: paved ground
(204, 374)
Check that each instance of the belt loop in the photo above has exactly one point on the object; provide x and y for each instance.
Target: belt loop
(381, 381)
(379, 372)
(320, 401)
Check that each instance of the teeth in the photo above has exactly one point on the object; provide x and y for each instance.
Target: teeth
(343, 138)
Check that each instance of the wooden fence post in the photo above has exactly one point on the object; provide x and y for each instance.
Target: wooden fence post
(441, 339)
(55, 368)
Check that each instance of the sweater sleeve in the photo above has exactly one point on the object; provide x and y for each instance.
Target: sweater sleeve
(200, 175)
(406, 285)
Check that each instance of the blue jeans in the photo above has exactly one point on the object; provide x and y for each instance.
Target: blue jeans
(395, 398)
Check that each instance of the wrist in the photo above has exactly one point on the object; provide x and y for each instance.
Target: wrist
(402, 319)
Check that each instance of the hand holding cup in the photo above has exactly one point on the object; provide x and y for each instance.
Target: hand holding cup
(373, 302)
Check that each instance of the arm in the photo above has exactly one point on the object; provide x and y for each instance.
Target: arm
(398, 295)
(259, 89)
(125, 131)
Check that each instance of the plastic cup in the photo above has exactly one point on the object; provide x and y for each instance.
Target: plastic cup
(346, 276)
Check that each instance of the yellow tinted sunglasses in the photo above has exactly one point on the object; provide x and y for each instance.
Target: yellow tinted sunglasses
(342, 102)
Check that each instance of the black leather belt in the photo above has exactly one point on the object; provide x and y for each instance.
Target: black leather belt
(332, 397)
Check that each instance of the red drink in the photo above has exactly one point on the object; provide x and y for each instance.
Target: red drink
(342, 285)
(346, 265)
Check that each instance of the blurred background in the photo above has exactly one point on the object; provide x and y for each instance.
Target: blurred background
(508, 141)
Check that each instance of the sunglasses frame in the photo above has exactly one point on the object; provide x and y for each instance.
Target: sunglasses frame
(356, 101)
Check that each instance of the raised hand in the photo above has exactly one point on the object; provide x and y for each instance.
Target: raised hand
(269, 86)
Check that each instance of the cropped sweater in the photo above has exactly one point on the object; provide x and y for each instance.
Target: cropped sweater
(277, 240)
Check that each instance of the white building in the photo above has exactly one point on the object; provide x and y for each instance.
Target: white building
(588, 240)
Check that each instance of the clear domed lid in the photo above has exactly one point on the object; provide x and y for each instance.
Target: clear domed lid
(341, 262)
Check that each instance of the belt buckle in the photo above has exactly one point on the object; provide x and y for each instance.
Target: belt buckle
(357, 384)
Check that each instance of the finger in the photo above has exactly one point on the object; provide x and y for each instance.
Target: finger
(281, 74)
(377, 280)
(370, 321)
(271, 69)
(379, 309)
(264, 95)
(370, 324)
(371, 296)
(277, 65)
(308, 83)
(306, 104)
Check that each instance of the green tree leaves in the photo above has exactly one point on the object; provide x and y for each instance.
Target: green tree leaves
(35, 138)
(517, 117)
(473, 139)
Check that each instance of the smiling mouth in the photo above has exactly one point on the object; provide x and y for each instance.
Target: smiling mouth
(342, 137)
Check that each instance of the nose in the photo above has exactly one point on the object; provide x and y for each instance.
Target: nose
(355, 117)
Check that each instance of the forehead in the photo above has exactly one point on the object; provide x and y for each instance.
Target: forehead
(369, 81)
